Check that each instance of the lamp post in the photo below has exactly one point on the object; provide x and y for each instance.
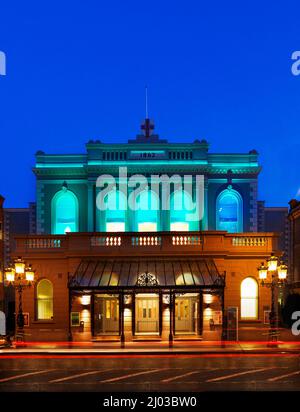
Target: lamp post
(278, 274)
(20, 277)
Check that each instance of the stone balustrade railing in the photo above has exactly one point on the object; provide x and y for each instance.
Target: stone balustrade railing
(43, 243)
(246, 241)
(106, 241)
(186, 240)
(146, 241)
(127, 243)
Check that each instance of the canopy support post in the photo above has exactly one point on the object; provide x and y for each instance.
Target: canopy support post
(200, 313)
(121, 315)
(171, 337)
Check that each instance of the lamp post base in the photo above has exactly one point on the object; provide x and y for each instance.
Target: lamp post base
(20, 337)
(122, 340)
(273, 337)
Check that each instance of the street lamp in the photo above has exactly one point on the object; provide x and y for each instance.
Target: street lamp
(19, 276)
(278, 275)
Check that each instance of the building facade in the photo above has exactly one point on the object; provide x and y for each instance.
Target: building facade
(294, 218)
(105, 270)
(93, 286)
(229, 194)
(1, 254)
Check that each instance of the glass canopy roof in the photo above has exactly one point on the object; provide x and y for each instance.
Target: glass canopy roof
(103, 273)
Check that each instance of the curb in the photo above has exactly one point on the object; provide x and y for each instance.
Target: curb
(146, 353)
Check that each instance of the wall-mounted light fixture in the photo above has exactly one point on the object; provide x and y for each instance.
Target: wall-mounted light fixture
(85, 299)
(208, 298)
(127, 299)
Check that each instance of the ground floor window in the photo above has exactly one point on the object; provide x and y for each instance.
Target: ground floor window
(249, 299)
(44, 300)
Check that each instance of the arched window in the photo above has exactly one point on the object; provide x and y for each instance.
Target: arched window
(229, 209)
(115, 213)
(181, 207)
(64, 212)
(44, 300)
(147, 213)
(249, 299)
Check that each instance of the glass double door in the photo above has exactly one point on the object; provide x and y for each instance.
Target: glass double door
(147, 314)
(106, 315)
(185, 314)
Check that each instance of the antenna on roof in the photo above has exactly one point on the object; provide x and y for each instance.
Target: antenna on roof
(146, 101)
(147, 126)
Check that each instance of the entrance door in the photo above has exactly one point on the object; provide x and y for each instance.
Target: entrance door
(185, 314)
(106, 315)
(147, 314)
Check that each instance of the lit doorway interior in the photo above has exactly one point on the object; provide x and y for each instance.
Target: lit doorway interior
(186, 308)
(106, 315)
(147, 314)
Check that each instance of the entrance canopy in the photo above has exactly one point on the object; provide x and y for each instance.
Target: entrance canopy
(114, 273)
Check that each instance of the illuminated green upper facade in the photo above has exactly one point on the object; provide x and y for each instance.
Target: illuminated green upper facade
(67, 192)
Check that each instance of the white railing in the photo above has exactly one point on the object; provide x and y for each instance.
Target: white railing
(106, 241)
(43, 243)
(186, 240)
(146, 241)
(249, 241)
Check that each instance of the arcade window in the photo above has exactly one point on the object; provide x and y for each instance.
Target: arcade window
(181, 206)
(147, 213)
(115, 213)
(64, 212)
(229, 208)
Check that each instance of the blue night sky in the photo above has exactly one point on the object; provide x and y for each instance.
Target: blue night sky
(76, 70)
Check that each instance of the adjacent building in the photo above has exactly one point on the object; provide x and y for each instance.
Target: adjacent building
(1, 254)
(294, 217)
(15, 221)
(275, 219)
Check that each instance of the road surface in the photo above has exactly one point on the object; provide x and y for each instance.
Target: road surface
(157, 373)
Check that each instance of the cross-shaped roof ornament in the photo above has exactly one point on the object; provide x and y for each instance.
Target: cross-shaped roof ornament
(147, 127)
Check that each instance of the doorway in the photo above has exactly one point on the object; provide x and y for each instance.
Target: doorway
(186, 313)
(106, 315)
(147, 314)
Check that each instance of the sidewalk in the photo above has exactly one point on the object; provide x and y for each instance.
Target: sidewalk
(252, 341)
(152, 348)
